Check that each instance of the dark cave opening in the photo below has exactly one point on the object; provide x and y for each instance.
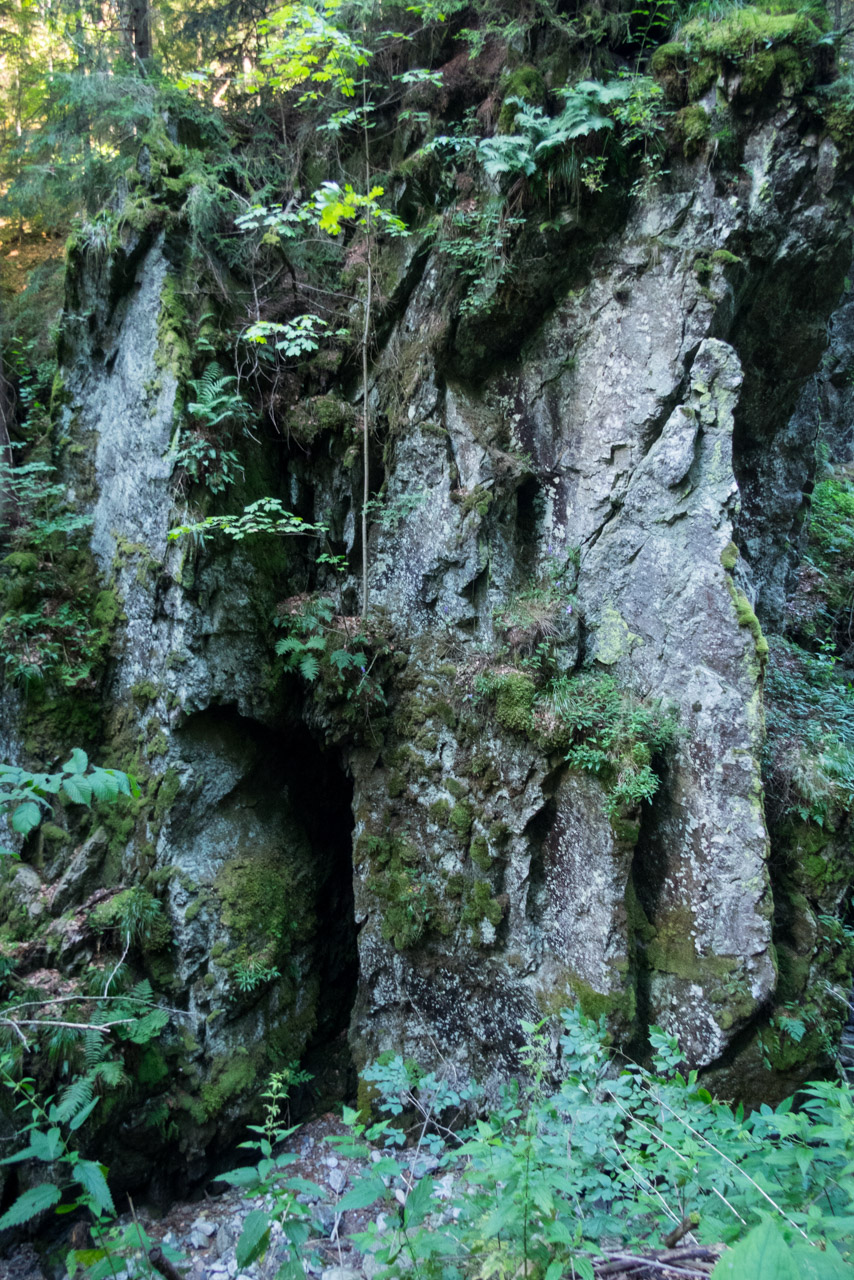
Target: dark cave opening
(296, 799)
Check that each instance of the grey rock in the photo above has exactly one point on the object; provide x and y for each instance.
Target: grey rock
(337, 1180)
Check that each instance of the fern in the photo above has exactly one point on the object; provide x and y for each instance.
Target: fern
(216, 401)
(544, 144)
(78, 1095)
(94, 1049)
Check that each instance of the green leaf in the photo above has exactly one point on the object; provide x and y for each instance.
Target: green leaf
(47, 1146)
(78, 790)
(83, 1115)
(815, 1264)
(761, 1255)
(254, 1238)
(418, 1202)
(365, 1193)
(92, 1180)
(78, 763)
(31, 1203)
(26, 817)
(583, 1268)
(245, 1177)
(105, 786)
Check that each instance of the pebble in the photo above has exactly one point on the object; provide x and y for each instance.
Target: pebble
(203, 1225)
(198, 1240)
(337, 1180)
(424, 1165)
(340, 1273)
(224, 1239)
(324, 1216)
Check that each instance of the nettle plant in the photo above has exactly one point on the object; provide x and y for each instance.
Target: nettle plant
(77, 1038)
(46, 633)
(579, 1169)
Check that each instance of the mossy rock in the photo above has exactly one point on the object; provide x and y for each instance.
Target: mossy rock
(514, 701)
(527, 83)
(691, 128)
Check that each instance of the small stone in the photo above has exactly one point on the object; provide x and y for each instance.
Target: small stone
(382, 1222)
(340, 1273)
(224, 1239)
(198, 1240)
(376, 1156)
(424, 1165)
(337, 1180)
(331, 1162)
(231, 1267)
(206, 1227)
(400, 1195)
(323, 1216)
(371, 1267)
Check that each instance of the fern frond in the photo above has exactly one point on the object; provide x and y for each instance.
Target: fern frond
(77, 1096)
(94, 1048)
(309, 667)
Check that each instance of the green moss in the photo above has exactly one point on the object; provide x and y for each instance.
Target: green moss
(232, 1076)
(667, 57)
(319, 415)
(618, 1008)
(691, 127)
(49, 831)
(478, 906)
(480, 854)
(167, 792)
(396, 784)
(460, 820)
(499, 833)
(440, 813)
(457, 789)
(455, 884)
(144, 691)
(23, 562)
(158, 746)
(729, 556)
(725, 258)
(747, 618)
(173, 327)
(669, 65)
(527, 83)
(514, 701)
(152, 1068)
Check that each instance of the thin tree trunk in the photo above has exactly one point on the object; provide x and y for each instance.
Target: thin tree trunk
(366, 334)
(7, 413)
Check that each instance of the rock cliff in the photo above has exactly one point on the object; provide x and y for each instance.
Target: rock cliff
(542, 782)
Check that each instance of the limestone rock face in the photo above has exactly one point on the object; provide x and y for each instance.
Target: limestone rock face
(612, 493)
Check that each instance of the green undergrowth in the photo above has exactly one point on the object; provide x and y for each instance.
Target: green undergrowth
(809, 756)
(600, 728)
(576, 1165)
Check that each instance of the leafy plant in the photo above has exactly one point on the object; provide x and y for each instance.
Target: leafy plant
(320, 643)
(266, 516)
(28, 795)
(545, 145)
(267, 1178)
(570, 1171)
